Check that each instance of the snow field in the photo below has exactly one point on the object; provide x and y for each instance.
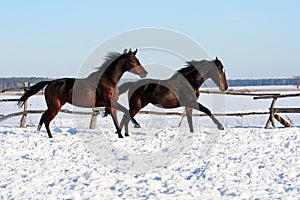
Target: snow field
(244, 161)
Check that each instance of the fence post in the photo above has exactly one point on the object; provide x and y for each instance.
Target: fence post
(271, 117)
(24, 116)
(93, 122)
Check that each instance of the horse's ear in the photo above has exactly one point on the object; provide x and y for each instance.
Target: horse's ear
(193, 62)
(135, 51)
(216, 58)
(130, 51)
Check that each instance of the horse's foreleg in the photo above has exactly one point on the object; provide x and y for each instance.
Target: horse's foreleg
(115, 120)
(125, 122)
(189, 118)
(121, 108)
(113, 113)
(126, 119)
(116, 106)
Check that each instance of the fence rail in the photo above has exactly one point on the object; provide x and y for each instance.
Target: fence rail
(256, 93)
(8, 100)
(15, 89)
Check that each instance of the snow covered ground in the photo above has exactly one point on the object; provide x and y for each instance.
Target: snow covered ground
(158, 161)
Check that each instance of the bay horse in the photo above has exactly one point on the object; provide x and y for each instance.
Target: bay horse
(182, 89)
(99, 89)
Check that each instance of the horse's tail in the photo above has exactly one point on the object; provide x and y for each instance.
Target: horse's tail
(124, 87)
(32, 91)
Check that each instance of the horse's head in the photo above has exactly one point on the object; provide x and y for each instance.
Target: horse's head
(133, 65)
(217, 74)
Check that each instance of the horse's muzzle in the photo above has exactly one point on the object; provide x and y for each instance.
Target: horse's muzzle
(224, 87)
(143, 74)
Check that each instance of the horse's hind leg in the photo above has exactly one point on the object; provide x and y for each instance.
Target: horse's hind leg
(48, 116)
(56, 97)
(40, 123)
(202, 108)
(44, 120)
(207, 111)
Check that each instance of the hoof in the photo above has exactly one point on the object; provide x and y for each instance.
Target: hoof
(120, 136)
(221, 127)
(137, 126)
(126, 135)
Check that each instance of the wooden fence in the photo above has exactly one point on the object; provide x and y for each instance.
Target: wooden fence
(273, 110)
(255, 93)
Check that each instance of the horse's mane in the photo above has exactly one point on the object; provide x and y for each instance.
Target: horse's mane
(189, 68)
(108, 59)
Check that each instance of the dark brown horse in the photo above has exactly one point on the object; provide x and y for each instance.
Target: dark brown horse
(182, 89)
(97, 90)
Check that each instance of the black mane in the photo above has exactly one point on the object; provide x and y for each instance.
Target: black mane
(188, 69)
(109, 58)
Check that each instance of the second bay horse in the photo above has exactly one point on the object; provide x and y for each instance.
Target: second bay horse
(182, 89)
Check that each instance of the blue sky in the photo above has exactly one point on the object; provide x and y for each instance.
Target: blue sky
(254, 39)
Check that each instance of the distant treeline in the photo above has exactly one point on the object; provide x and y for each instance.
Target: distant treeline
(261, 82)
(18, 82)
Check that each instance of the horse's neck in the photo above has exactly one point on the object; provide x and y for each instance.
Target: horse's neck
(112, 73)
(194, 79)
(115, 71)
(201, 74)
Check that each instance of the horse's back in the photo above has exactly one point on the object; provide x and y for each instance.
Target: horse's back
(66, 83)
(59, 89)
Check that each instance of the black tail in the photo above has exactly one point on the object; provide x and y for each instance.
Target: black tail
(33, 90)
(122, 89)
